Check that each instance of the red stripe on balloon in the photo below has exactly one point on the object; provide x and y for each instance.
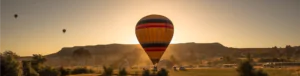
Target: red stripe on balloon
(156, 25)
(155, 49)
(168, 24)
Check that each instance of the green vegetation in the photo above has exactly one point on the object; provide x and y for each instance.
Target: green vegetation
(123, 72)
(38, 61)
(37, 64)
(108, 71)
(162, 72)
(82, 70)
(9, 65)
(273, 60)
(249, 57)
(227, 59)
(49, 71)
(65, 71)
(205, 72)
(227, 72)
(260, 72)
(28, 70)
(246, 69)
(146, 72)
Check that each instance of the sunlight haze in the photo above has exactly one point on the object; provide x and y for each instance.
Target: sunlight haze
(233, 23)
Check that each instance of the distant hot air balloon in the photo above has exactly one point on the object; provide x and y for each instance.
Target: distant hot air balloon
(16, 15)
(64, 30)
(154, 33)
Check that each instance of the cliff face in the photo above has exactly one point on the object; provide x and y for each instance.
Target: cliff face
(134, 53)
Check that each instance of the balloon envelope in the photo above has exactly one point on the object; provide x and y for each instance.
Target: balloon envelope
(64, 30)
(16, 15)
(154, 33)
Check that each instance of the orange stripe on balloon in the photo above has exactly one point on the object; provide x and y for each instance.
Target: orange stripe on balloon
(154, 34)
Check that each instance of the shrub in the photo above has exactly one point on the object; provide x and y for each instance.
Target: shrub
(37, 68)
(122, 72)
(246, 69)
(260, 72)
(107, 71)
(2, 68)
(34, 73)
(28, 70)
(82, 70)
(65, 71)
(49, 71)
(2, 65)
(38, 61)
(162, 72)
(146, 73)
(9, 65)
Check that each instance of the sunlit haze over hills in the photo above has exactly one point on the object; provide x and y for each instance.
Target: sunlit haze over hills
(233, 23)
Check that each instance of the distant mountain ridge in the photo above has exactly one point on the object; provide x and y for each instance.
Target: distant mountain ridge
(185, 52)
(97, 49)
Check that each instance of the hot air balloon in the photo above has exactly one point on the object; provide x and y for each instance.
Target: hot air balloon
(154, 33)
(16, 15)
(64, 30)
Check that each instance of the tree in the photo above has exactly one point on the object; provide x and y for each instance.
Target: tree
(49, 71)
(260, 72)
(37, 61)
(108, 71)
(249, 57)
(10, 53)
(82, 70)
(246, 69)
(2, 66)
(227, 59)
(65, 71)
(162, 72)
(28, 70)
(279, 54)
(288, 51)
(122, 72)
(146, 72)
(9, 65)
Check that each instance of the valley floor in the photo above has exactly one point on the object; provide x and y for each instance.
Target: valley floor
(216, 72)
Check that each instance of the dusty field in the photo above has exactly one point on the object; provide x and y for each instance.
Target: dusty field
(214, 72)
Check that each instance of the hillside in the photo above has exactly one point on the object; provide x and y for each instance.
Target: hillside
(133, 53)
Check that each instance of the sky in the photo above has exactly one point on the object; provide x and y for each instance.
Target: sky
(233, 23)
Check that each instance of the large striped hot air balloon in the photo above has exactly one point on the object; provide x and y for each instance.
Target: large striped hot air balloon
(154, 33)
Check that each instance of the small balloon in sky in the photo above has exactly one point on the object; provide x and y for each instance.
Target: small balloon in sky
(64, 30)
(16, 15)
